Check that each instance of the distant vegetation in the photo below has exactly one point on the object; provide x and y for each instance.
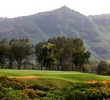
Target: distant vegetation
(14, 52)
(62, 53)
(59, 53)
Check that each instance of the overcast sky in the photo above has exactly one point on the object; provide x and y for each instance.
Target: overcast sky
(14, 8)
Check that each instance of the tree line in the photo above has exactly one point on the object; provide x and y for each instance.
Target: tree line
(59, 53)
(62, 53)
(14, 52)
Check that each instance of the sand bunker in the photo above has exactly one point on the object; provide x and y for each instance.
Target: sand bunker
(28, 77)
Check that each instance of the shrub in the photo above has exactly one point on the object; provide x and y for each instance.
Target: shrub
(10, 94)
(43, 88)
(108, 84)
(57, 94)
(102, 68)
(31, 93)
(76, 95)
(97, 94)
(12, 82)
(80, 86)
(41, 94)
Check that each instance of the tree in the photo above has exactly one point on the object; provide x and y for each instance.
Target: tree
(69, 53)
(63, 53)
(20, 50)
(48, 55)
(4, 52)
(38, 53)
(80, 58)
(103, 68)
(79, 55)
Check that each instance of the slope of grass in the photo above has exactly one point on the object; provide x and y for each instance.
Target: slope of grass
(71, 76)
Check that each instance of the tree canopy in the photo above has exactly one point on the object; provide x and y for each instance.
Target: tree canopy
(20, 49)
(14, 51)
(4, 52)
(69, 52)
(59, 53)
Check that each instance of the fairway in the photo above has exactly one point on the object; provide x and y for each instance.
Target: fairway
(71, 76)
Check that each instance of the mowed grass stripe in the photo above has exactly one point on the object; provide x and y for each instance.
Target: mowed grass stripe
(64, 75)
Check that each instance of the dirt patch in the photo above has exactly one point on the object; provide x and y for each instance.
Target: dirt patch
(93, 82)
(105, 81)
(28, 77)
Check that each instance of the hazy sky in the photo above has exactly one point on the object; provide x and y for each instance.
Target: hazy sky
(14, 8)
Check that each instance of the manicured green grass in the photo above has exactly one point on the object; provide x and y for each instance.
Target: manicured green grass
(71, 76)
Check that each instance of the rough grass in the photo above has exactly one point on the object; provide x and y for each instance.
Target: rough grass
(70, 76)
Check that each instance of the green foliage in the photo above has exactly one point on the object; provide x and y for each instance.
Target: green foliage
(38, 53)
(48, 54)
(97, 94)
(80, 55)
(66, 52)
(85, 91)
(15, 52)
(31, 93)
(84, 86)
(63, 53)
(12, 83)
(76, 95)
(56, 94)
(40, 87)
(103, 68)
(108, 84)
(10, 94)
(20, 50)
(93, 66)
(73, 91)
(4, 52)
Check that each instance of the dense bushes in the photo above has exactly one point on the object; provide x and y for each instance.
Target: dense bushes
(84, 91)
(10, 94)
(13, 89)
(12, 83)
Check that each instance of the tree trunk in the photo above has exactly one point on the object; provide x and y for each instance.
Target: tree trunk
(10, 65)
(19, 67)
(19, 64)
(41, 65)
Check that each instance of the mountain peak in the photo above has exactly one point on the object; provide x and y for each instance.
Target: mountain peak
(65, 8)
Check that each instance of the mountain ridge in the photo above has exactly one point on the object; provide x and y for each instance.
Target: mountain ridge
(94, 30)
